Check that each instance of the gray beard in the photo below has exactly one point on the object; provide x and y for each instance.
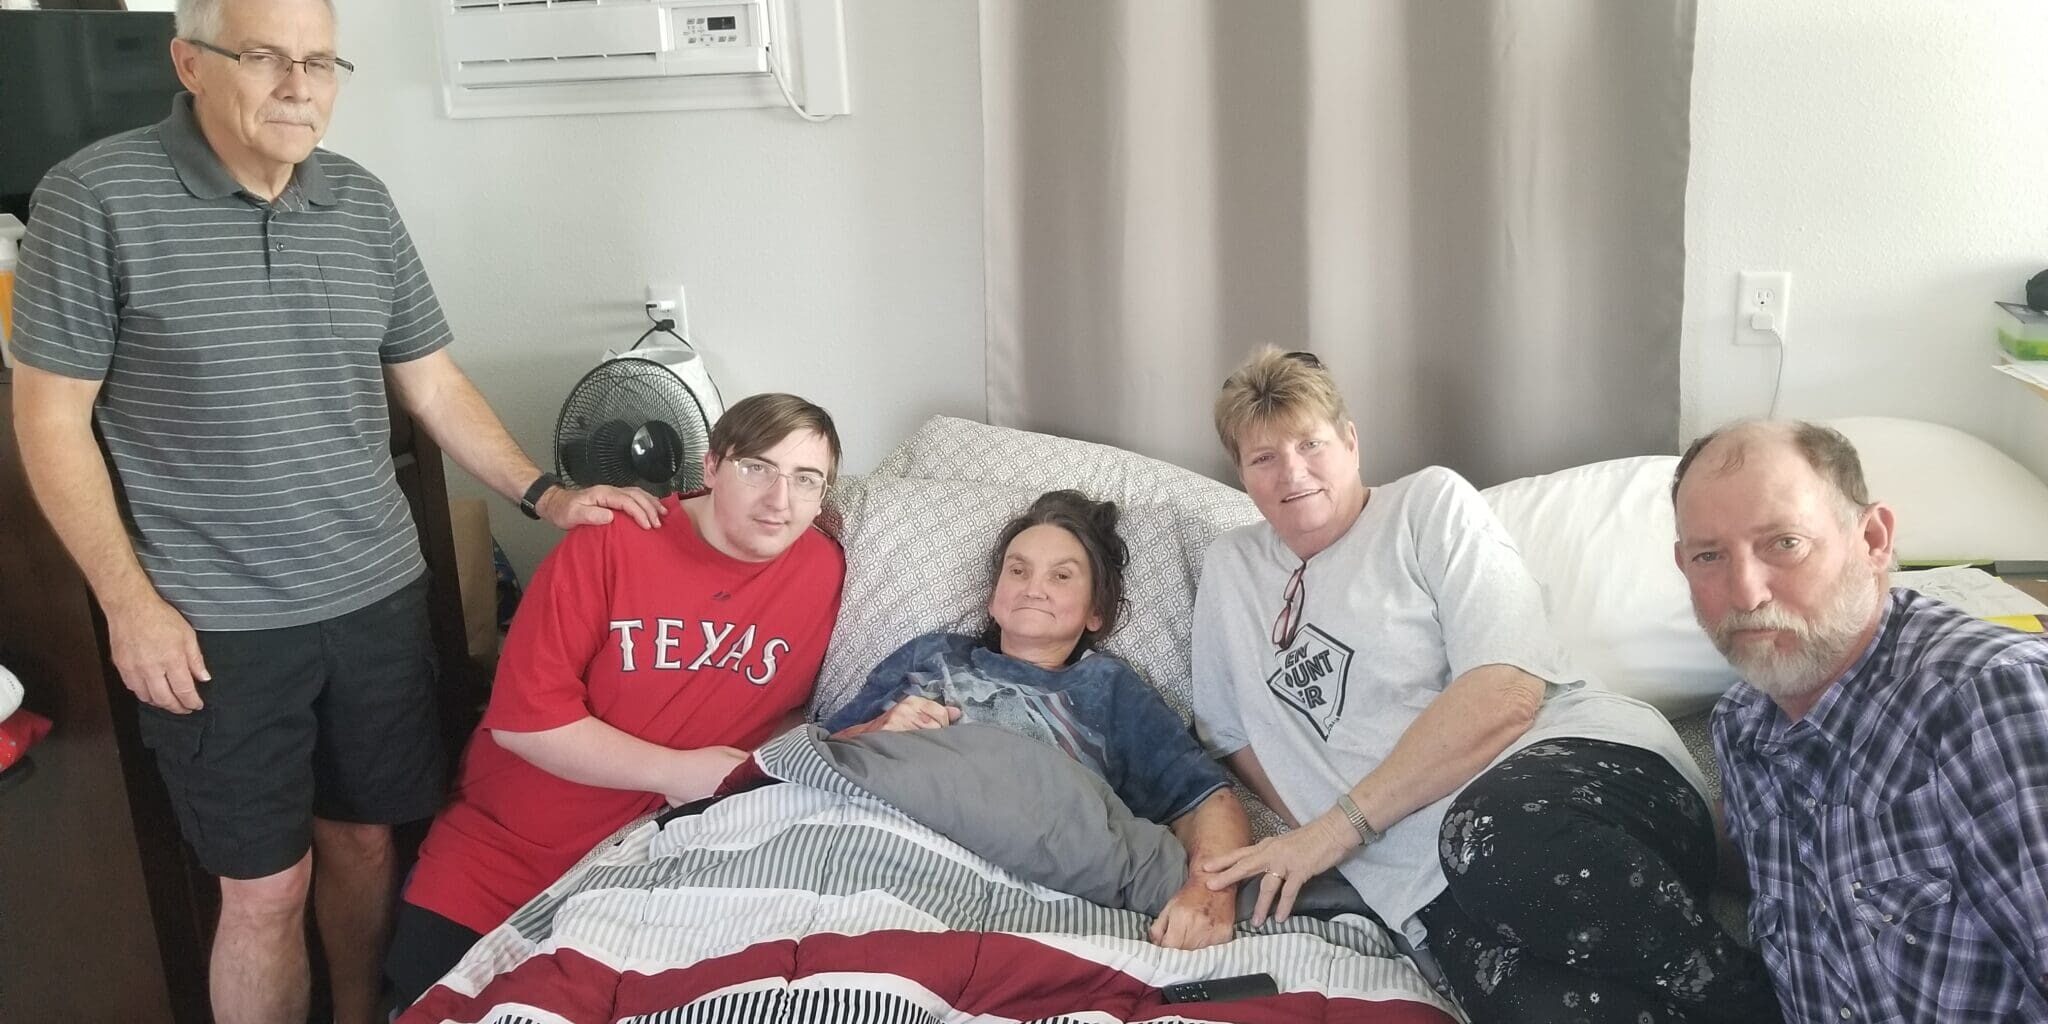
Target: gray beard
(1823, 642)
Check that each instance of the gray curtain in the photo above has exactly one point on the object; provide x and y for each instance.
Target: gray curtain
(1473, 210)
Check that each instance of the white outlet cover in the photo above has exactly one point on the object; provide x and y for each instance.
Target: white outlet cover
(1763, 303)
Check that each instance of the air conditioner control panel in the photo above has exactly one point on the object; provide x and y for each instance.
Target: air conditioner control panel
(730, 25)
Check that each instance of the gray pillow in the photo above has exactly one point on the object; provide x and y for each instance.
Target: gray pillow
(1020, 804)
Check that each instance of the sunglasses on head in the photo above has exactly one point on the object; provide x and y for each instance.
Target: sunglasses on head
(1307, 359)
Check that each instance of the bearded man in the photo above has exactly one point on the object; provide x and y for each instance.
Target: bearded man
(1885, 758)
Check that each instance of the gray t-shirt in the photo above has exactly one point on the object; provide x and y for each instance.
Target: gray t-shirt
(1425, 587)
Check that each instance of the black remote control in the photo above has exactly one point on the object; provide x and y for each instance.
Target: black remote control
(1220, 990)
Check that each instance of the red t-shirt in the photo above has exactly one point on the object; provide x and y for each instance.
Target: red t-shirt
(657, 634)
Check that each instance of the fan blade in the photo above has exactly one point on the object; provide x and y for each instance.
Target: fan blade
(611, 453)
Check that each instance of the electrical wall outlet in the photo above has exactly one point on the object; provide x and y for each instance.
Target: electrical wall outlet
(671, 301)
(1763, 305)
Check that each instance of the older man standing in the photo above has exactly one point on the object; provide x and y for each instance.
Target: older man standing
(230, 305)
(1885, 758)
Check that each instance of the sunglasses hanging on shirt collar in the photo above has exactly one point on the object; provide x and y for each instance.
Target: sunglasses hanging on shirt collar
(1292, 608)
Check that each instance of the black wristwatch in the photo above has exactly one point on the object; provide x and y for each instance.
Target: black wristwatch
(529, 502)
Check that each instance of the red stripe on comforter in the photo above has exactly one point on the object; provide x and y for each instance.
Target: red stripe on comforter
(974, 972)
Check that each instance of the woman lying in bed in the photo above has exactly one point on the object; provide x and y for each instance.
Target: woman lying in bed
(1058, 588)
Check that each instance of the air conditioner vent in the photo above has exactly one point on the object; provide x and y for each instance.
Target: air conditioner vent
(522, 57)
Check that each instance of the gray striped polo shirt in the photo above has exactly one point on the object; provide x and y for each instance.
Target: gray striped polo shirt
(240, 345)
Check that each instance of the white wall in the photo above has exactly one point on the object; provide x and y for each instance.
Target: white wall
(1891, 156)
(841, 261)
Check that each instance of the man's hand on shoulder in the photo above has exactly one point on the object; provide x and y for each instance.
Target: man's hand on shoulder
(566, 506)
(157, 653)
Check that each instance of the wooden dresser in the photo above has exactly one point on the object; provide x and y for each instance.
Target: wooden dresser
(103, 914)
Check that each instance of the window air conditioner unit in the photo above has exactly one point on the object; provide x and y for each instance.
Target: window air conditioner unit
(522, 57)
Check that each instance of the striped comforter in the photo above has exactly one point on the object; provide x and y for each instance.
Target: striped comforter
(791, 903)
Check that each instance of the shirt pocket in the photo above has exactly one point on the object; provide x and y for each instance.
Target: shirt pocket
(1897, 889)
(1906, 918)
(1767, 930)
(1918, 937)
(357, 295)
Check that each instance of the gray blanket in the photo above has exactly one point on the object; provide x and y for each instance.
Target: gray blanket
(1022, 805)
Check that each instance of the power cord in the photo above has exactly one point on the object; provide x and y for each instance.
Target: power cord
(665, 325)
(781, 73)
(1778, 383)
(1769, 324)
(662, 325)
(775, 65)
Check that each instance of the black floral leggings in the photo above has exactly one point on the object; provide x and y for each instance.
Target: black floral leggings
(1578, 874)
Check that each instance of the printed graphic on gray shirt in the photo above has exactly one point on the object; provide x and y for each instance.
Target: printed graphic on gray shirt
(1311, 678)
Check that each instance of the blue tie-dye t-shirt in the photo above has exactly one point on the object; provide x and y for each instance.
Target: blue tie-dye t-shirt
(1097, 710)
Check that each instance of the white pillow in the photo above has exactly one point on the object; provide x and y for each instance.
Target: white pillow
(918, 559)
(10, 694)
(1598, 538)
(1957, 498)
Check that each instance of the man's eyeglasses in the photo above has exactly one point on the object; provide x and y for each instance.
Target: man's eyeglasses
(265, 66)
(804, 483)
(1292, 608)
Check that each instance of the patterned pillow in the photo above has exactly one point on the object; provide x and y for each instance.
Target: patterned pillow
(1199, 508)
(917, 560)
(946, 448)
(914, 552)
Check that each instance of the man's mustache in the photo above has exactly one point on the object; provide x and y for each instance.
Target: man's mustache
(1766, 617)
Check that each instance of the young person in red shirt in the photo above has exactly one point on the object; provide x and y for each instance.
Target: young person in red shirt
(641, 667)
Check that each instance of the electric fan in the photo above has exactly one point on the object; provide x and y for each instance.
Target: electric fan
(640, 419)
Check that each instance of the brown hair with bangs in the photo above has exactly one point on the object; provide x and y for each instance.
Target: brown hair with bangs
(1276, 387)
(759, 422)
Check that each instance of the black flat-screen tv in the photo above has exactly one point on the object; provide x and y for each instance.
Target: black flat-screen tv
(70, 78)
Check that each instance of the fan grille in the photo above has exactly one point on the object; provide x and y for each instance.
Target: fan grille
(631, 422)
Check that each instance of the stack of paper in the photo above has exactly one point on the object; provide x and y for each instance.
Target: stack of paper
(2034, 372)
(1977, 592)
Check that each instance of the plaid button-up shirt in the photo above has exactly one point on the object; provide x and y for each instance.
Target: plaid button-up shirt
(1897, 835)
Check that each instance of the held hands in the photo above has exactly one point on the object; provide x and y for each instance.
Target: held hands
(1284, 863)
(1196, 918)
(157, 653)
(907, 715)
(913, 713)
(593, 506)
